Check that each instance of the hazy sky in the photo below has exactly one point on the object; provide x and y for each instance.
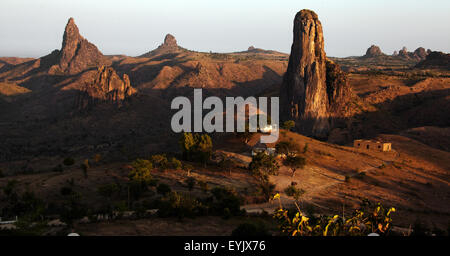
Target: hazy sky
(33, 28)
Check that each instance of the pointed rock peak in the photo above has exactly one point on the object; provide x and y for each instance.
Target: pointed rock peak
(77, 54)
(71, 31)
(306, 14)
(313, 91)
(170, 40)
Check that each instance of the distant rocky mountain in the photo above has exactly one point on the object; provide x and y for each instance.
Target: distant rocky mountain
(313, 90)
(438, 60)
(418, 55)
(169, 46)
(373, 51)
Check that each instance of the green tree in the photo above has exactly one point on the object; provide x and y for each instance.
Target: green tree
(294, 163)
(141, 170)
(263, 165)
(288, 125)
(203, 147)
(175, 163)
(187, 144)
(287, 147)
(160, 161)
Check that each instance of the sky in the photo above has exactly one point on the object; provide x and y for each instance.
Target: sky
(33, 28)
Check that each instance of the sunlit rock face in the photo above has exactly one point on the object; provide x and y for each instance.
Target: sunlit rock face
(77, 53)
(314, 89)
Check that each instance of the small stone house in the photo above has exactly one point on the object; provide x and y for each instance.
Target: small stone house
(372, 145)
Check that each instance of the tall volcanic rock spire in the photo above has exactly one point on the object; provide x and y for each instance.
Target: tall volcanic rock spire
(303, 93)
(313, 89)
(77, 53)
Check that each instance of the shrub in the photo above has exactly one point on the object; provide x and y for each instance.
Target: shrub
(178, 205)
(163, 189)
(294, 163)
(160, 161)
(287, 147)
(263, 165)
(175, 163)
(226, 202)
(68, 161)
(288, 125)
(266, 189)
(294, 192)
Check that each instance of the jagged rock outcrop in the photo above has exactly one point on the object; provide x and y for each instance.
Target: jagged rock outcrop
(437, 60)
(373, 51)
(338, 90)
(403, 52)
(77, 53)
(418, 55)
(107, 86)
(312, 89)
(170, 45)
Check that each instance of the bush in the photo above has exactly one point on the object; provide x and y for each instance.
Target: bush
(266, 189)
(140, 170)
(226, 202)
(68, 161)
(250, 229)
(287, 147)
(263, 165)
(160, 161)
(178, 205)
(288, 125)
(294, 192)
(163, 189)
(175, 163)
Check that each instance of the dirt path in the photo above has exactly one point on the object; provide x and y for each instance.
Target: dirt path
(313, 189)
